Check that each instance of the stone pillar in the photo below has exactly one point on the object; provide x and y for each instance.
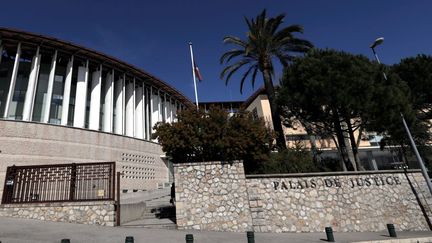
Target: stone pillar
(66, 92)
(107, 124)
(48, 99)
(13, 81)
(31, 87)
(219, 190)
(81, 96)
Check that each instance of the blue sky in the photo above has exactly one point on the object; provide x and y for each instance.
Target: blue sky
(153, 35)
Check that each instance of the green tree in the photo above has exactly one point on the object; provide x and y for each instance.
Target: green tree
(265, 41)
(417, 73)
(337, 93)
(215, 136)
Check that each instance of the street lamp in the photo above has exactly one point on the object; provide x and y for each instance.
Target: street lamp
(377, 42)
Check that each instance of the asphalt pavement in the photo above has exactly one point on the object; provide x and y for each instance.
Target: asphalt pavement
(13, 230)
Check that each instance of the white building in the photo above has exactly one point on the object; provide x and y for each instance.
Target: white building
(62, 103)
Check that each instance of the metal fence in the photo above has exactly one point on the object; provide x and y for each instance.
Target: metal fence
(59, 183)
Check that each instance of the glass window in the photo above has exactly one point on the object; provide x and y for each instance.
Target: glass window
(42, 86)
(6, 67)
(58, 87)
(17, 104)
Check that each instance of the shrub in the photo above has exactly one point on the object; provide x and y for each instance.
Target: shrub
(215, 136)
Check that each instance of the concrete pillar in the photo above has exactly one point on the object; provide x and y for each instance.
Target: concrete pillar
(160, 117)
(66, 92)
(130, 109)
(175, 111)
(124, 105)
(107, 124)
(139, 121)
(155, 110)
(48, 99)
(31, 87)
(95, 99)
(165, 108)
(144, 115)
(170, 111)
(148, 114)
(81, 96)
(13, 81)
(119, 96)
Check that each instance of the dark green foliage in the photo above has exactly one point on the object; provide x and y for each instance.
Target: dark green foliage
(295, 159)
(291, 160)
(417, 73)
(264, 42)
(214, 136)
(330, 90)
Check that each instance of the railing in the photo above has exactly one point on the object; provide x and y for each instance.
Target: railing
(59, 183)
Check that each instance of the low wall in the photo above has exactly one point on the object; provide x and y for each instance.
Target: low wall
(218, 196)
(211, 196)
(97, 213)
(132, 211)
(347, 202)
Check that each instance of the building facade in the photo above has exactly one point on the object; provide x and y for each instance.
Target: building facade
(61, 103)
(372, 157)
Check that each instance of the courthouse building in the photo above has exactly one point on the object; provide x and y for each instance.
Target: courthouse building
(64, 103)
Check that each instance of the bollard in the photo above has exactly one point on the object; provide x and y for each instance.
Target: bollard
(189, 238)
(129, 239)
(62, 241)
(391, 229)
(250, 237)
(329, 233)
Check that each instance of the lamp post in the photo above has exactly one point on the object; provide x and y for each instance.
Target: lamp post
(419, 159)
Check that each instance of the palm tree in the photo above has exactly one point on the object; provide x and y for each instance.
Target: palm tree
(263, 44)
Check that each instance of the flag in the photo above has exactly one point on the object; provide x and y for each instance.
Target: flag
(197, 72)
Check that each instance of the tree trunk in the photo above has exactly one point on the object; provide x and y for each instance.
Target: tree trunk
(341, 139)
(277, 123)
(312, 138)
(354, 146)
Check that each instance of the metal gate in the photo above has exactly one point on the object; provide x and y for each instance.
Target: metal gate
(59, 183)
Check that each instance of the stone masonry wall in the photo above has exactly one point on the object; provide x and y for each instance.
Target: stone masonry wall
(355, 202)
(212, 196)
(98, 213)
(217, 196)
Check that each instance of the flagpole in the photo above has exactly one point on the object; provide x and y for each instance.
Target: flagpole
(193, 74)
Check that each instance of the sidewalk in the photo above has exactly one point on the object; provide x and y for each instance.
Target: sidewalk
(14, 230)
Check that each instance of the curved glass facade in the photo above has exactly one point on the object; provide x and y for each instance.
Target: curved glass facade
(61, 83)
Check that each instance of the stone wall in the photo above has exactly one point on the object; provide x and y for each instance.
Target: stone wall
(346, 201)
(98, 213)
(212, 196)
(217, 196)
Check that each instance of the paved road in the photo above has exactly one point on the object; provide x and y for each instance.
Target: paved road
(25, 231)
